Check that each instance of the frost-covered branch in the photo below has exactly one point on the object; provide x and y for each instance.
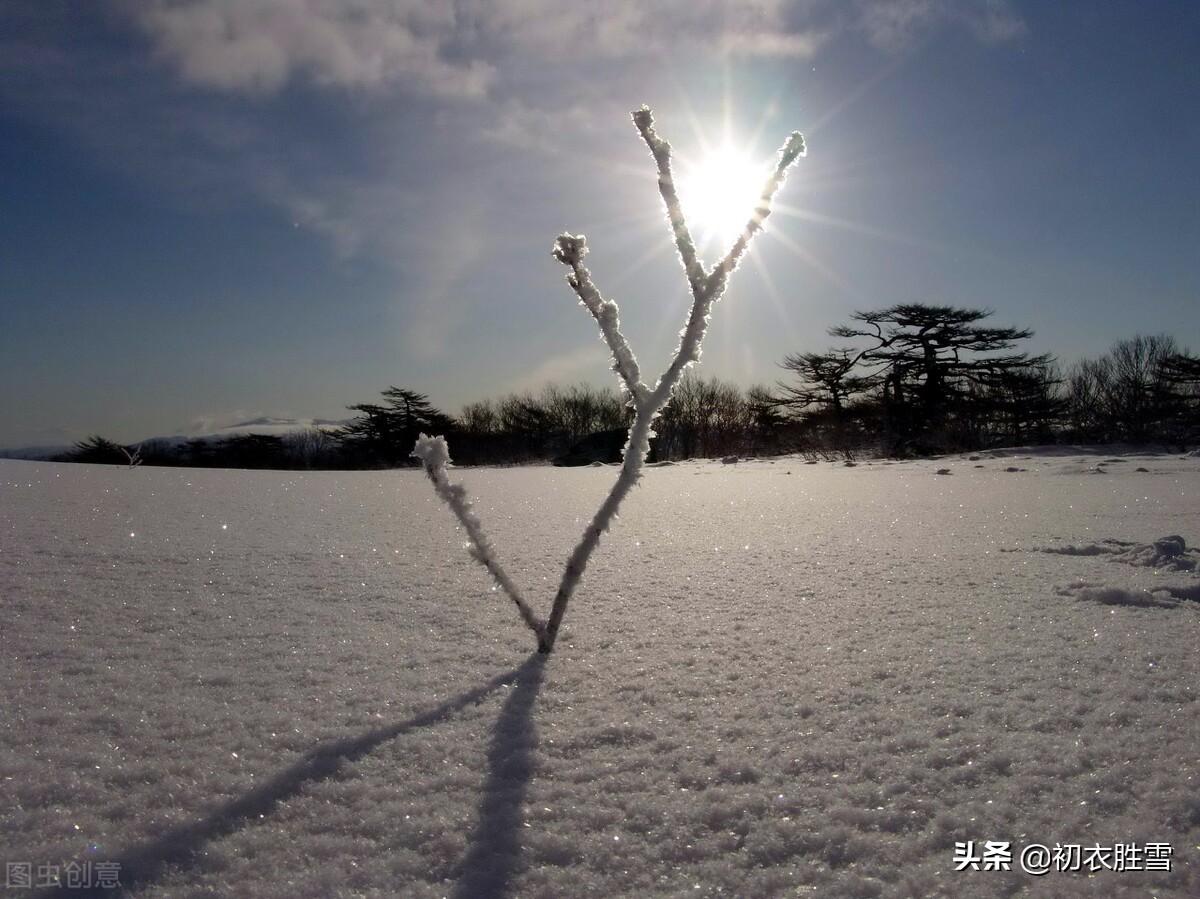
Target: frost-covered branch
(636, 449)
(710, 291)
(706, 288)
(570, 250)
(792, 150)
(434, 454)
(661, 150)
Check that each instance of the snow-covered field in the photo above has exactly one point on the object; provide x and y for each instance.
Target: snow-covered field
(777, 679)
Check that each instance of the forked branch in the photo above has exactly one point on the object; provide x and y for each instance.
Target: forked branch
(707, 286)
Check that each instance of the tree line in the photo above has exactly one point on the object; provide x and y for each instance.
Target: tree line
(924, 379)
(910, 379)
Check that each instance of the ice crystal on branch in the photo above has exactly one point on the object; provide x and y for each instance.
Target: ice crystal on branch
(434, 454)
(707, 287)
(570, 249)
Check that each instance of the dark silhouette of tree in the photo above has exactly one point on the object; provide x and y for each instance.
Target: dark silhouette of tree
(930, 378)
(529, 426)
(766, 421)
(384, 433)
(1084, 413)
(1139, 396)
(1181, 375)
(479, 418)
(556, 422)
(1015, 405)
(826, 380)
(1142, 390)
(827, 398)
(99, 451)
(251, 451)
(1184, 369)
(311, 448)
(160, 452)
(200, 453)
(927, 358)
(580, 410)
(706, 417)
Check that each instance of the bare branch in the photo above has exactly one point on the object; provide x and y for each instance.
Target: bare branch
(713, 286)
(570, 250)
(792, 150)
(435, 456)
(661, 150)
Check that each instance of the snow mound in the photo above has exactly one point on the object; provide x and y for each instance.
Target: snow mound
(1104, 547)
(1169, 553)
(1082, 468)
(1164, 597)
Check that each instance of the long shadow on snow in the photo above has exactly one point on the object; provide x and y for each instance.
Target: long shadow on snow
(178, 845)
(494, 855)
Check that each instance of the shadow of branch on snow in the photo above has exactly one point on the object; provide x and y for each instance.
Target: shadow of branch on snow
(494, 855)
(141, 864)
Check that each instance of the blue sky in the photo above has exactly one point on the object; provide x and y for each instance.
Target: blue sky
(223, 209)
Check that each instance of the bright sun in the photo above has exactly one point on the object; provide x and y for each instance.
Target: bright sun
(718, 194)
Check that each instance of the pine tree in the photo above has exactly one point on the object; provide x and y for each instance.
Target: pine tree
(929, 358)
(386, 432)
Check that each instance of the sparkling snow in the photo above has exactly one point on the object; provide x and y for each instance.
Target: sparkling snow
(776, 679)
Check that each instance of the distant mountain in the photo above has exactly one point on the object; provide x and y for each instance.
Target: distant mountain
(35, 453)
(271, 427)
(274, 427)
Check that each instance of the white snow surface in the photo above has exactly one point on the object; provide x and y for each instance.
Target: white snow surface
(776, 679)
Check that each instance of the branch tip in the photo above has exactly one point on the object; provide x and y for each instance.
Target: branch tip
(569, 249)
(433, 452)
(792, 149)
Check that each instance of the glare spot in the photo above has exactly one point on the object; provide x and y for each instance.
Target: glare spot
(719, 193)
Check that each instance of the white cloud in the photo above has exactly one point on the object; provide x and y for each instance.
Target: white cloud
(462, 48)
(211, 422)
(443, 48)
(256, 46)
(625, 29)
(530, 57)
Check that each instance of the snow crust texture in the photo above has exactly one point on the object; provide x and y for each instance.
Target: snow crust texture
(785, 680)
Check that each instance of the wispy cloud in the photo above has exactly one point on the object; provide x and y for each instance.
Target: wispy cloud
(397, 85)
(448, 49)
(587, 362)
(257, 46)
(212, 422)
(896, 25)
